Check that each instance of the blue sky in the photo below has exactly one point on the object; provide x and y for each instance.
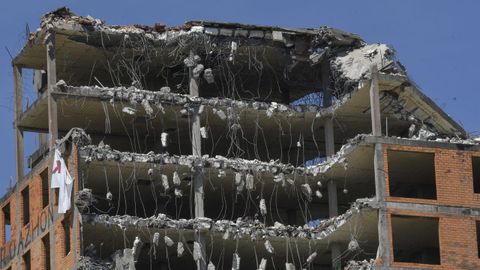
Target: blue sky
(437, 41)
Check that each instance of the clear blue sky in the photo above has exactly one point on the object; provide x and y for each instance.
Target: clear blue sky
(438, 41)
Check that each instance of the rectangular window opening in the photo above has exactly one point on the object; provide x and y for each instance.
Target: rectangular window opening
(476, 174)
(7, 227)
(412, 174)
(415, 246)
(27, 263)
(26, 205)
(46, 248)
(66, 234)
(44, 176)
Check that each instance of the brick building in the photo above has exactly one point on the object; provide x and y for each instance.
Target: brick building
(228, 146)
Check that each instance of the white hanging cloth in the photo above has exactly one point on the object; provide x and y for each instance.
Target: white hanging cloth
(62, 180)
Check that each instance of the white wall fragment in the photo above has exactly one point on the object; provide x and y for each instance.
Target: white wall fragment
(168, 241)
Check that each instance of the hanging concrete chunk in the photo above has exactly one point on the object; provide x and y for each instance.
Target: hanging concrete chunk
(180, 249)
(221, 114)
(307, 191)
(178, 193)
(263, 264)
(210, 266)
(318, 194)
(203, 132)
(263, 207)
(176, 179)
(238, 178)
(236, 262)
(137, 246)
(249, 181)
(197, 251)
(146, 106)
(156, 238)
(312, 257)
(269, 247)
(164, 139)
(129, 110)
(165, 182)
(289, 266)
(168, 241)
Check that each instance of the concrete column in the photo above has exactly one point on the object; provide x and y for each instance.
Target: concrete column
(197, 175)
(383, 253)
(52, 129)
(375, 103)
(19, 144)
(329, 152)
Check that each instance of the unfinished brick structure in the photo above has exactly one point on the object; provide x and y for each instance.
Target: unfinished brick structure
(228, 146)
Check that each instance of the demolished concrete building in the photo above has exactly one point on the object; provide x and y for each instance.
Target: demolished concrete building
(217, 145)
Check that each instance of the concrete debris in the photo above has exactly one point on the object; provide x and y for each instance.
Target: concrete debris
(312, 257)
(159, 99)
(129, 110)
(236, 261)
(150, 172)
(180, 249)
(238, 178)
(197, 252)
(75, 135)
(88, 263)
(349, 69)
(269, 247)
(168, 241)
(263, 264)
(240, 228)
(125, 260)
(318, 193)
(83, 199)
(178, 193)
(221, 114)
(146, 106)
(109, 196)
(353, 245)
(360, 265)
(210, 266)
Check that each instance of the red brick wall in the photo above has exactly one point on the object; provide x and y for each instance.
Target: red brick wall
(36, 248)
(454, 183)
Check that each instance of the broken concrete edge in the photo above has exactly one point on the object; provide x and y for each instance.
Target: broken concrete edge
(360, 265)
(228, 229)
(137, 97)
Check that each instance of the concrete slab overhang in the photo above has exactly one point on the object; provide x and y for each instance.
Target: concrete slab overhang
(359, 224)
